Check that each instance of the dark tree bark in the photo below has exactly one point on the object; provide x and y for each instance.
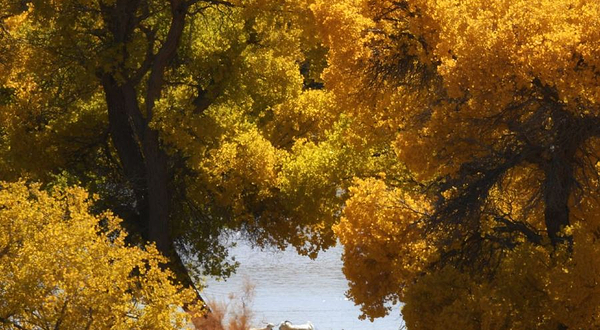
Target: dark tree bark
(557, 189)
(143, 159)
(123, 111)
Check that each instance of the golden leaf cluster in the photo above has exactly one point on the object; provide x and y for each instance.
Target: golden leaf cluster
(63, 267)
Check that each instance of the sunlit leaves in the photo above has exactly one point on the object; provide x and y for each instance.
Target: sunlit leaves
(242, 91)
(491, 108)
(384, 246)
(63, 267)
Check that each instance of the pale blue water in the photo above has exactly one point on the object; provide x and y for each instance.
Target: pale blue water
(295, 288)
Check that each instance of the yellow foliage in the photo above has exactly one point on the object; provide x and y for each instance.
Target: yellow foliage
(456, 141)
(492, 108)
(384, 247)
(65, 268)
(247, 161)
(533, 288)
(240, 91)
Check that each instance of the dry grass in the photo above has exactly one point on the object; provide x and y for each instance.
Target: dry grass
(234, 314)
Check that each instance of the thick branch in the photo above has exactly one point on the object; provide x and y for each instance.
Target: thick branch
(7, 321)
(165, 54)
(521, 227)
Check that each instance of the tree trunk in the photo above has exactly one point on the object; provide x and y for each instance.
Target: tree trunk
(559, 181)
(125, 126)
(144, 161)
(145, 166)
(557, 190)
(157, 178)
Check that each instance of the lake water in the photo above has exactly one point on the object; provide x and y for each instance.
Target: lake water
(295, 288)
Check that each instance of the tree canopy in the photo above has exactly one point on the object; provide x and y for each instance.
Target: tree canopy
(450, 146)
(187, 118)
(492, 108)
(64, 268)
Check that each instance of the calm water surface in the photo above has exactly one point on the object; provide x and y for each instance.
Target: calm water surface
(295, 288)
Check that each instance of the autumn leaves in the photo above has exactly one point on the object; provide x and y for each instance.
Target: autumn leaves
(452, 147)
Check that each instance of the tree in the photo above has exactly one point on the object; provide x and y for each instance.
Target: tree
(61, 267)
(492, 108)
(187, 118)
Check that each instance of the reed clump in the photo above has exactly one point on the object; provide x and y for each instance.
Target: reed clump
(234, 314)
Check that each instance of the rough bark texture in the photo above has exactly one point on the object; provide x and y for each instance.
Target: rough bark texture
(144, 161)
(122, 109)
